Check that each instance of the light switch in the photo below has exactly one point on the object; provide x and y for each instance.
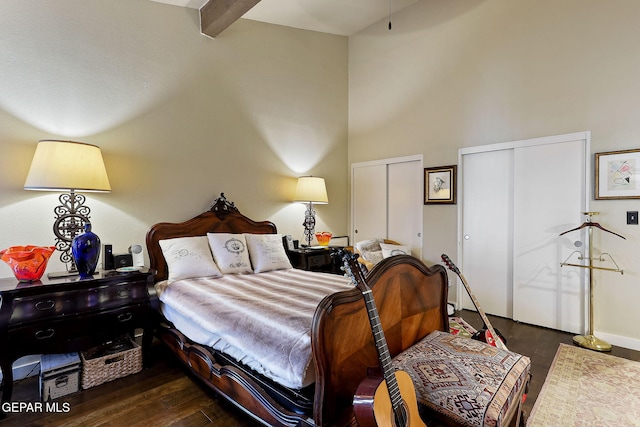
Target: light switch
(632, 217)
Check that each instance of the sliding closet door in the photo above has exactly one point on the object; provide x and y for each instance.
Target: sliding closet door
(369, 206)
(405, 204)
(516, 200)
(487, 196)
(549, 190)
(387, 201)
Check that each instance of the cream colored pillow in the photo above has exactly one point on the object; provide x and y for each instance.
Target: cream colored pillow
(266, 252)
(389, 250)
(188, 258)
(230, 252)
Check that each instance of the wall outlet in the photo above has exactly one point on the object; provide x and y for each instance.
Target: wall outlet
(632, 217)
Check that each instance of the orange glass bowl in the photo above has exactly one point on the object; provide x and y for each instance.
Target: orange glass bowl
(27, 262)
(323, 238)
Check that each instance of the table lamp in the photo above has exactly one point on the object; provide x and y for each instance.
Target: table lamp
(310, 190)
(68, 166)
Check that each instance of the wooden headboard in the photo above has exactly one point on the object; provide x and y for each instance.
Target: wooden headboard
(223, 217)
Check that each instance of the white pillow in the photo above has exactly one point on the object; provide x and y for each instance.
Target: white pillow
(188, 258)
(371, 245)
(389, 250)
(370, 250)
(373, 257)
(230, 252)
(267, 252)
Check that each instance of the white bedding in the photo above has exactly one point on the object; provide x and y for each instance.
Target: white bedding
(262, 320)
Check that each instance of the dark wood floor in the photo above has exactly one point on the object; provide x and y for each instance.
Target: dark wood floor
(165, 395)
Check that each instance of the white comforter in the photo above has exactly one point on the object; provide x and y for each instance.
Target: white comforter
(263, 320)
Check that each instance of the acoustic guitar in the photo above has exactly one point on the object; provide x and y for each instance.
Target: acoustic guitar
(488, 334)
(388, 400)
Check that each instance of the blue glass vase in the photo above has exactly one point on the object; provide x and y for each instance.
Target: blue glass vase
(86, 250)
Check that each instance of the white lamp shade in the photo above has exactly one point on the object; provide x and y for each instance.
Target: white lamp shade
(311, 189)
(67, 165)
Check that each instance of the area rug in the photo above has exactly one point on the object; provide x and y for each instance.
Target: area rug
(587, 388)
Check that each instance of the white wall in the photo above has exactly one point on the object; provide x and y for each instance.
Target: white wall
(180, 117)
(461, 73)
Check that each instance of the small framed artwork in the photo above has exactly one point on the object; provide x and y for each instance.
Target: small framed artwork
(617, 175)
(440, 185)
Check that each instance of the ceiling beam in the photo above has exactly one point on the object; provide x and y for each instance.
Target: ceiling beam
(218, 15)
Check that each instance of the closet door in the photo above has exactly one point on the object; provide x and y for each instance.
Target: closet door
(369, 202)
(549, 183)
(387, 201)
(516, 200)
(404, 210)
(487, 199)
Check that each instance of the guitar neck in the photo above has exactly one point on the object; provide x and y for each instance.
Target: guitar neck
(383, 350)
(481, 312)
(358, 274)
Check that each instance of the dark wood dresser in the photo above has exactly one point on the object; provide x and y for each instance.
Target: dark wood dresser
(71, 314)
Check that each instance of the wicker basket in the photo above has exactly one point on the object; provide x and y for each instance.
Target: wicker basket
(109, 361)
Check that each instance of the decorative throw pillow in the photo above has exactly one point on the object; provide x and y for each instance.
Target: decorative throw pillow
(370, 250)
(391, 250)
(266, 252)
(188, 258)
(230, 252)
(371, 245)
(373, 257)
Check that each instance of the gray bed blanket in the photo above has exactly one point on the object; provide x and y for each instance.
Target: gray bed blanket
(266, 316)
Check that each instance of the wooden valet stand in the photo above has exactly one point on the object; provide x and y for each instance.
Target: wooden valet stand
(590, 341)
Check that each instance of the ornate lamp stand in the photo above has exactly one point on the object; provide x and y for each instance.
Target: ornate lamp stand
(71, 217)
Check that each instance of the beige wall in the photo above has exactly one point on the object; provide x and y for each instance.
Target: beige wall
(461, 73)
(179, 117)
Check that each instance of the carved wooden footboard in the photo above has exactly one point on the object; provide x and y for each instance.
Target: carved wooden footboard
(411, 301)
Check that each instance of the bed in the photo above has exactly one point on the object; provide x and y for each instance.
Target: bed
(411, 302)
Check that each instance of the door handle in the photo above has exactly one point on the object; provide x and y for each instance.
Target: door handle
(467, 237)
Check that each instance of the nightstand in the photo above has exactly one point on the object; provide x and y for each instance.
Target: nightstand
(71, 314)
(316, 259)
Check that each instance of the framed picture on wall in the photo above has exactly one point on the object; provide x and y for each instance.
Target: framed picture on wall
(440, 185)
(617, 175)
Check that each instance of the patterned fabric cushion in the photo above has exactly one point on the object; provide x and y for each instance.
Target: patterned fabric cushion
(468, 381)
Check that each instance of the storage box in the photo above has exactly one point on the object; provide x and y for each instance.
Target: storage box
(112, 360)
(59, 375)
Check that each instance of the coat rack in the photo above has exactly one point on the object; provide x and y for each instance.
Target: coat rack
(590, 341)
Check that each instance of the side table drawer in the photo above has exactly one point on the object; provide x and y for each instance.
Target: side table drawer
(47, 305)
(59, 334)
(59, 304)
(319, 260)
(117, 293)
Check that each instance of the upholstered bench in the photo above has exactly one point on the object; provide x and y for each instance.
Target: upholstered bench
(465, 382)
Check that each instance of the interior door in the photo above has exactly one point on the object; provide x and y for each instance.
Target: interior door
(516, 200)
(549, 184)
(404, 209)
(387, 201)
(487, 196)
(369, 206)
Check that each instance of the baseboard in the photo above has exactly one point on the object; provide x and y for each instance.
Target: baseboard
(619, 341)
